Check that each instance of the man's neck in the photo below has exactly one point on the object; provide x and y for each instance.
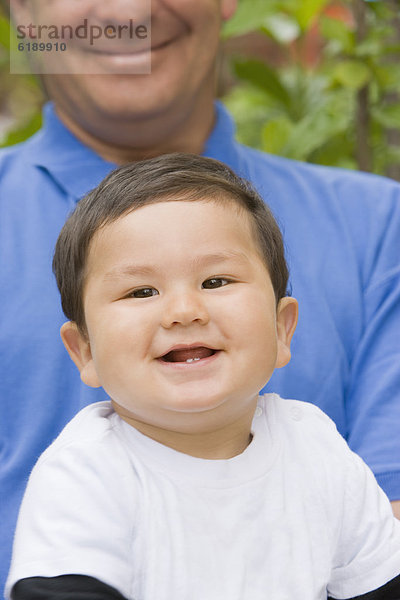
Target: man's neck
(147, 138)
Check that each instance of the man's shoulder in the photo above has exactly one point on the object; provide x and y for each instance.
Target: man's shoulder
(14, 160)
(10, 155)
(264, 167)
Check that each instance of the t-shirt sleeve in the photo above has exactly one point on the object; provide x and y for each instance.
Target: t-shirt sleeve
(77, 517)
(367, 552)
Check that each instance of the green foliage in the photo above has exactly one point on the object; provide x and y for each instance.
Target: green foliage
(20, 96)
(297, 109)
(310, 110)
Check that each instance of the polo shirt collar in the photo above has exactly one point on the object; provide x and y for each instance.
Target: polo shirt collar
(221, 142)
(77, 169)
(73, 166)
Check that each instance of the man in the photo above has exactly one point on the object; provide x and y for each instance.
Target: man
(341, 230)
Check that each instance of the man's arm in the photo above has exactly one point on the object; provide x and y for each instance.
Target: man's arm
(373, 406)
(396, 508)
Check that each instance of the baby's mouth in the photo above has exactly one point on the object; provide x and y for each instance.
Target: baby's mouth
(188, 355)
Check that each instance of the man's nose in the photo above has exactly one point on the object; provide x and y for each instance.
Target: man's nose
(185, 309)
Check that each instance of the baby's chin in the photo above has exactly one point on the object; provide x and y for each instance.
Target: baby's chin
(194, 414)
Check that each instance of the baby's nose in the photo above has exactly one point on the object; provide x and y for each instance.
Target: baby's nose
(184, 309)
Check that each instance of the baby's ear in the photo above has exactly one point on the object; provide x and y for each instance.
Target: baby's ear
(78, 348)
(286, 321)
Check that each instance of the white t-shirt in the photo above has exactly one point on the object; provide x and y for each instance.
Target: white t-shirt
(296, 515)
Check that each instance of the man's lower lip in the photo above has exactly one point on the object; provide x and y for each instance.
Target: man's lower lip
(128, 53)
(192, 364)
(125, 54)
(115, 59)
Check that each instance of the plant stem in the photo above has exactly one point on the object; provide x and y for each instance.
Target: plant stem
(363, 150)
(392, 97)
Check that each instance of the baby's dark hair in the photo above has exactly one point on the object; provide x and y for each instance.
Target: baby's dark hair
(169, 177)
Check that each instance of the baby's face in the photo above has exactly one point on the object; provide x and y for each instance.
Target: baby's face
(181, 315)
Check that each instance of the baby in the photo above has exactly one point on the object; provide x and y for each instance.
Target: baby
(188, 484)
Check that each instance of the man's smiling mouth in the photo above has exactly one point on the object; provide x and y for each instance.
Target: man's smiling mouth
(128, 50)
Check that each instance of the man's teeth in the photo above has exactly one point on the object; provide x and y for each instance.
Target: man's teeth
(189, 360)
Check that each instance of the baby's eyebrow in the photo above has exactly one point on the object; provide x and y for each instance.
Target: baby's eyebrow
(218, 257)
(132, 270)
(129, 271)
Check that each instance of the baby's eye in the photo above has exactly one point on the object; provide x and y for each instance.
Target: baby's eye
(145, 292)
(214, 282)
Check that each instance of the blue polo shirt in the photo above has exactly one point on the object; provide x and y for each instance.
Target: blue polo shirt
(342, 233)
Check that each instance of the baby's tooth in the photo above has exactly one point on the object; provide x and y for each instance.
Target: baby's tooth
(189, 360)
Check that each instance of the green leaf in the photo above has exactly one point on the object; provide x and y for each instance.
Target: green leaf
(388, 76)
(315, 130)
(250, 108)
(307, 10)
(21, 133)
(250, 16)
(352, 74)
(388, 116)
(282, 28)
(368, 47)
(393, 154)
(264, 77)
(4, 33)
(333, 29)
(275, 135)
(337, 151)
